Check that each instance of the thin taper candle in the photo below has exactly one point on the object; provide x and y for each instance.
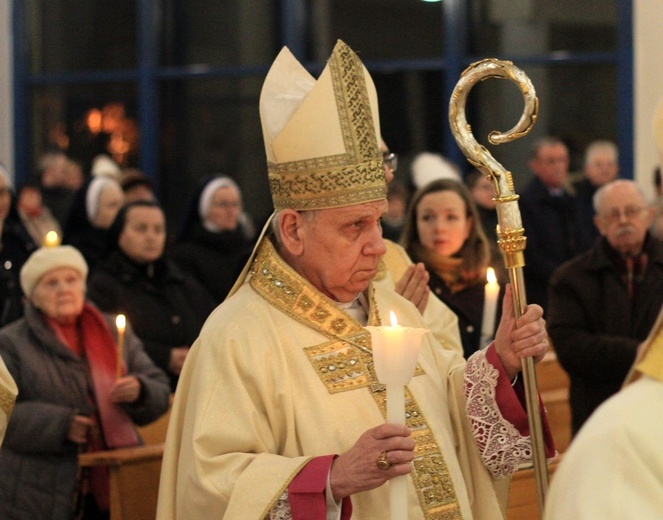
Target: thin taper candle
(121, 324)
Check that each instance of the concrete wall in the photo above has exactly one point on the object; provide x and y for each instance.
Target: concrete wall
(648, 86)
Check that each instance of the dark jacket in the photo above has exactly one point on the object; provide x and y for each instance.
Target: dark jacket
(214, 259)
(584, 201)
(165, 305)
(467, 304)
(595, 328)
(38, 464)
(16, 246)
(552, 237)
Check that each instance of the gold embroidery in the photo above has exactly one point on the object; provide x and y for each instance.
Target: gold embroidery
(6, 401)
(344, 179)
(346, 363)
(429, 470)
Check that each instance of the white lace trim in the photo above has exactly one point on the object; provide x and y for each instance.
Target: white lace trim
(502, 447)
(281, 510)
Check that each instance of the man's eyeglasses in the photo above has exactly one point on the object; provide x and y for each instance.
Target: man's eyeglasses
(390, 160)
(630, 213)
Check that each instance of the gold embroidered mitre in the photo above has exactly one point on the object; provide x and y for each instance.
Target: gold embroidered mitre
(321, 137)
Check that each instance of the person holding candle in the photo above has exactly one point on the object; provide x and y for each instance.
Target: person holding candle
(278, 411)
(165, 305)
(443, 230)
(63, 355)
(398, 272)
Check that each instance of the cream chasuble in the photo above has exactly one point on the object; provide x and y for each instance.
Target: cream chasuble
(280, 374)
(8, 393)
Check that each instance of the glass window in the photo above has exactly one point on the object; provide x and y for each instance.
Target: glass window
(218, 33)
(75, 35)
(86, 120)
(212, 126)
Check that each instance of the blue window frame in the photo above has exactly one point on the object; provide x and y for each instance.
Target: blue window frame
(176, 91)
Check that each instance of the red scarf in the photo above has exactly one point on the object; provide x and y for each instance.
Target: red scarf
(116, 426)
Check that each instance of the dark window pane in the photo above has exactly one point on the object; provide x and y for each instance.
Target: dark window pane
(79, 35)
(213, 126)
(386, 29)
(218, 32)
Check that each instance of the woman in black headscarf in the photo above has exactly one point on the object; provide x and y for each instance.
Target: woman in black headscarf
(165, 305)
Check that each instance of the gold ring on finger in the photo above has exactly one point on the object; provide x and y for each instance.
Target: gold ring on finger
(382, 461)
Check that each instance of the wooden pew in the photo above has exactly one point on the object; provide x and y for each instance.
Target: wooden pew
(134, 472)
(155, 432)
(134, 479)
(553, 385)
(523, 499)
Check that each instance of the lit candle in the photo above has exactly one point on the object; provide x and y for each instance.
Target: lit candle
(491, 292)
(395, 353)
(51, 239)
(121, 324)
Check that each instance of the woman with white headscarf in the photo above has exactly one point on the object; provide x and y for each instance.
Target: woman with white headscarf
(215, 239)
(92, 213)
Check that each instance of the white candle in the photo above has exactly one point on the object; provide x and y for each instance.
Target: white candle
(395, 353)
(491, 292)
(121, 324)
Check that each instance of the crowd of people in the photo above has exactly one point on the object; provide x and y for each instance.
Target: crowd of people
(323, 270)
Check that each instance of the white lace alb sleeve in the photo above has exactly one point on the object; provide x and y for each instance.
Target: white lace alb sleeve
(281, 510)
(502, 447)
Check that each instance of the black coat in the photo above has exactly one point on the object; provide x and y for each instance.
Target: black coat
(552, 237)
(16, 246)
(595, 328)
(467, 304)
(38, 464)
(214, 259)
(165, 305)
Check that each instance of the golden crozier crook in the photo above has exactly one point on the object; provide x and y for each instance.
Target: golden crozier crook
(510, 232)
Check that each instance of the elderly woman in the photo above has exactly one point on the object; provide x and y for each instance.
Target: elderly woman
(166, 305)
(214, 241)
(75, 393)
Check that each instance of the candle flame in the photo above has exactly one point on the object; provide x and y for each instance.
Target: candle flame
(121, 322)
(490, 275)
(51, 239)
(392, 318)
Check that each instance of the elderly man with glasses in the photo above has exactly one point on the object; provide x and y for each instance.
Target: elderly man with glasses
(604, 302)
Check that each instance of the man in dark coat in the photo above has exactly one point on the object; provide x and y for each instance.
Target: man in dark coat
(549, 217)
(604, 302)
